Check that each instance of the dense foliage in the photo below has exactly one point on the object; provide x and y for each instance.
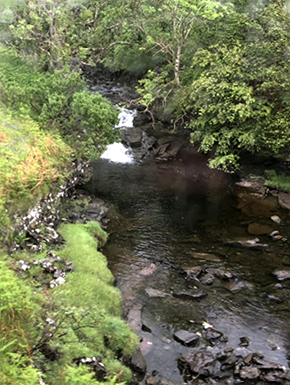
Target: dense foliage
(223, 67)
(58, 100)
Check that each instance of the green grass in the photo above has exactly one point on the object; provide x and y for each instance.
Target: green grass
(96, 327)
(86, 310)
(19, 307)
(278, 181)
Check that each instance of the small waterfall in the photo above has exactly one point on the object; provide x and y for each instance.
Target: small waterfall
(126, 118)
(117, 152)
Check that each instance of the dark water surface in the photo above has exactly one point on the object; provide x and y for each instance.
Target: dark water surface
(180, 214)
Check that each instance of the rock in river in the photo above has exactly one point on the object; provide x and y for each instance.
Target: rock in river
(253, 244)
(282, 275)
(149, 270)
(259, 229)
(154, 293)
(202, 363)
(198, 294)
(186, 338)
(250, 373)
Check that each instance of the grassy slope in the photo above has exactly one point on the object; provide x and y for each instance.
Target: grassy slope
(86, 309)
(30, 161)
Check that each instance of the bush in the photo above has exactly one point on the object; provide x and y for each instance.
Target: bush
(59, 100)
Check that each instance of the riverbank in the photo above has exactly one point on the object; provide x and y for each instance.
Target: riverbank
(67, 318)
(61, 319)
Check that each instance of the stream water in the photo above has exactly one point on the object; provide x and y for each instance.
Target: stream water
(180, 214)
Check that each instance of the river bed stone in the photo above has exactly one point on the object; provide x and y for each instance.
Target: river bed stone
(259, 229)
(193, 295)
(282, 275)
(186, 338)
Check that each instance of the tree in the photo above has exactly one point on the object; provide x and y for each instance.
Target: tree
(169, 25)
(239, 95)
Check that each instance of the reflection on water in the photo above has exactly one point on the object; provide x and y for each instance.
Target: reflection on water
(179, 215)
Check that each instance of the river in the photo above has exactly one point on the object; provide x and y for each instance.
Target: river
(179, 214)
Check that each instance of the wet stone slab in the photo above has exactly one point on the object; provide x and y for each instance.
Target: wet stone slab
(186, 338)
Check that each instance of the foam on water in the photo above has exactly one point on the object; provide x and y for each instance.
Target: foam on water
(117, 153)
(126, 118)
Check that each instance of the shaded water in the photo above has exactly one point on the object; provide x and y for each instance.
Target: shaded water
(178, 215)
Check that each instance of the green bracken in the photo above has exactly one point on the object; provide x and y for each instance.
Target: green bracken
(30, 162)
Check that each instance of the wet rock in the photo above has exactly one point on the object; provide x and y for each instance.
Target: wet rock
(205, 256)
(250, 373)
(163, 381)
(193, 272)
(244, 341)
(242, 352)
(202, 363)
(68, 267)
(259, 229)
(150, 380)
(238, 287)
(132, 136)
(211, 335)
(284, 200)
(95, 210)
(267, 365)
(134, 318)
(276, 236)
(229, 362)
(194, 295)
(154, 293)
(161, 151)
(149, 270)
(222, 274)
(169, 150)
(207, 279)
(272, 377)
(276, 219)
(253, 244)
(277, 377)
(282, 275)
(186, 338)
(248, 359)
(278, 286)
(138, 363)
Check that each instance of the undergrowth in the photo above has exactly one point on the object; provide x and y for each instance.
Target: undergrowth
(30, 161)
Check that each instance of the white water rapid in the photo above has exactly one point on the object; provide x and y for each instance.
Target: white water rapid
(117, 152)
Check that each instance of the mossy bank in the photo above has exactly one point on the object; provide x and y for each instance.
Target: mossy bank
(68, 327)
